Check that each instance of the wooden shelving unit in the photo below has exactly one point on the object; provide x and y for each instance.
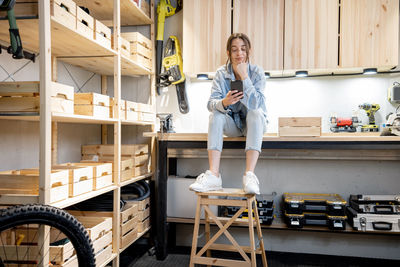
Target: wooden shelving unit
(53, 40)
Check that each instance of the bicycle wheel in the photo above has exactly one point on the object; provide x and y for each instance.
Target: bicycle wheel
(20, 244)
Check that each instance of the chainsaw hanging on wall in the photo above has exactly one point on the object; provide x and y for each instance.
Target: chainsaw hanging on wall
(173, 72)
(15, 39)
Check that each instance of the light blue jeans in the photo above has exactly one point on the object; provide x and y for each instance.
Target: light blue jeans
(221, 123)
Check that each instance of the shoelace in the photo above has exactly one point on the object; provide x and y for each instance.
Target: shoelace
(201, 178)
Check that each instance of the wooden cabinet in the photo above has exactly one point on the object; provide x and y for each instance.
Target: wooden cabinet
(311, 34)
(206, 27)
(262, 21)
(369, 31)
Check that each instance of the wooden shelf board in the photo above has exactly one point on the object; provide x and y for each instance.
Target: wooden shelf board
(113, 256)
(350, 137)
(126, 122)
(278, 224)
(131, 14)
(60, 117)
(133, 241)
(137, 178)
(64, 41)
(18, 199)
(73, 200)
(105, 65)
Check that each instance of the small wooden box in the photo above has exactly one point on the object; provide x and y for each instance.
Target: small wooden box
(96, 226)
(143, 214)
(19, 97)
(84, 23)
(142, 226)
(141, 60)
(92, 104)
(100, 257)
(102, 34)
(137, 37)
(64, 12)
(143, 204)
(80, 178)
(26, 182)
(137, 48)
(300, 126)
(102, 173)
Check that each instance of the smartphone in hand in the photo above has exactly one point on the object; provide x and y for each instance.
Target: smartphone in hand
(237, 85)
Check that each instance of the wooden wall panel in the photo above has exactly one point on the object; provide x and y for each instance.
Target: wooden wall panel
(375, 42)
(206, 28)
(311, 34)
(262, 21)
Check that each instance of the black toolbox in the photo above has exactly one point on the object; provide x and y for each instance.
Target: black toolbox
(378, 204)
(321, 219)
(298, 203)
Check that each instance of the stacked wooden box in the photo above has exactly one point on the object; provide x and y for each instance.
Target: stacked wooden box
(299, 126)
(134, 158)
(92, 104)
(102, 173)
(80, 178)
(140, 48)
(23, 97)
(143, 214)
(26, 182)
(139, 112)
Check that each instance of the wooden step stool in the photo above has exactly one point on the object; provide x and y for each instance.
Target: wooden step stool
(203, 200)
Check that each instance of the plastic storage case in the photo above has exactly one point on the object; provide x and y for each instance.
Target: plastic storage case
(378, 204)
(299, 220)
(298, 203)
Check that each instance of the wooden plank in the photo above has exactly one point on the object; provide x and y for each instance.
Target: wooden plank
(128, 238)
(311, 34)
(299, 121)
(27, 88)
(92, 99)
(267, 41)
(81, 187)
(375, 42)
(102, 242)
(102, 181)
(131, 14)
(206, 33)
(92, 110)
(220, 262)
(232, 192)
(96, 226)
(299, 131)
(129, 225)
(76, 173)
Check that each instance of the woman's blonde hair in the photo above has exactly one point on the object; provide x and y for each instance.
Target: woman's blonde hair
(246, 41)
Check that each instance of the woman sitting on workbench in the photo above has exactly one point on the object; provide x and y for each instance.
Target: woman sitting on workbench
(237, 106)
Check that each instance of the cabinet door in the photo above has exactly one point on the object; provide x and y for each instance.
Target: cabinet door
(262, 21)
(369, 33)
(206, 28)
(311, 34)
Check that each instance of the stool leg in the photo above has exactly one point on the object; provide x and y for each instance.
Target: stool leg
(260, 238)
(251, 231)
(195, 231)
(207, 231)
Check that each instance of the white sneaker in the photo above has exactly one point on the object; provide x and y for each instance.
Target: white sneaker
(206, 182)
(250, 183)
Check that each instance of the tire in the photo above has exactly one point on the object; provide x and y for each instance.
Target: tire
(27, 217)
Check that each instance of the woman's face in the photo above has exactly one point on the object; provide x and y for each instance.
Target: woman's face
(238, 51)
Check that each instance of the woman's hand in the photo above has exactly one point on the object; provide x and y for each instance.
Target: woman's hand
(232, 98)
(241, 70)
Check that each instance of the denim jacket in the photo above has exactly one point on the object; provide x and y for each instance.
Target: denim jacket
(253, 93)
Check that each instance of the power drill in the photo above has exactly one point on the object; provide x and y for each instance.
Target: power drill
(370, 109)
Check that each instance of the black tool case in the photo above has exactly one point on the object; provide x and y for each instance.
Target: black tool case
(373, 222)
(298, 203)
(322, 219)
(378, 204)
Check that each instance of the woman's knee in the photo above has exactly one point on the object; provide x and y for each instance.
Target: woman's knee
(217, 117)
(255, 115)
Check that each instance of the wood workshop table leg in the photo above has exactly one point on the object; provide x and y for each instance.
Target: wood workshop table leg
(161, 205)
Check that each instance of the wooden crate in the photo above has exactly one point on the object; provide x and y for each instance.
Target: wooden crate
(102, 34)
(137, 37)
(299, 126)
(128, 238)
(108, 150)
(96, 226)
(64, 12)
(19, 97)
(92, 110)
(139, 112)
(138, 48)
(141, 170)
(129, 225)
(141, 60)
(143, 214)
(26, 182)
(84, 23)
(125, 46)
(92, 99)
(80, 178)
(102, 173)
(142, 204)
(143, 225)
(100, 257)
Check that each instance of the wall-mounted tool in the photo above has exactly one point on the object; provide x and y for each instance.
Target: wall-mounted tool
(343, 124)
(15, 39)
(164, 9)
(173, 66)
(370, 109)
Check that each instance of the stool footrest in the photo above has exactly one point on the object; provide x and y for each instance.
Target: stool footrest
(220, 262)
(225, 247)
